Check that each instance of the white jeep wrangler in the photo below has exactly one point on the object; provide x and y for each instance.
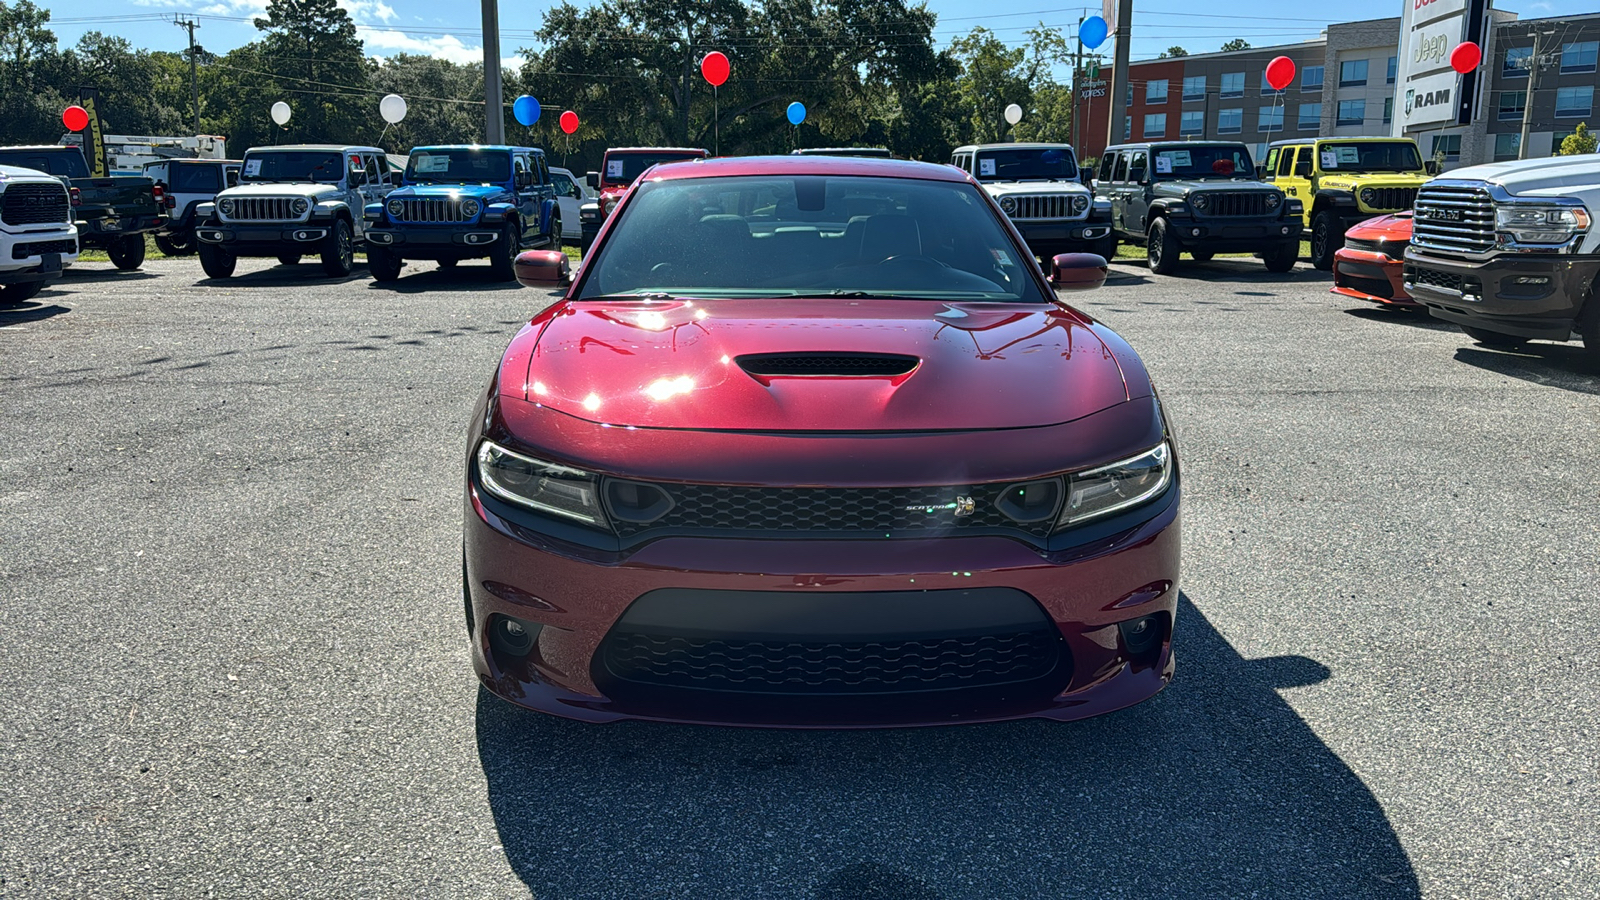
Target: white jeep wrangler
(1042, 189)
(37, 236)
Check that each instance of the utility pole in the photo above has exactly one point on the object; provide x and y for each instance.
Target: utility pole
(1077, 67)
(494, 114)
(1119, 73)
(1527, 101)
(194, 69)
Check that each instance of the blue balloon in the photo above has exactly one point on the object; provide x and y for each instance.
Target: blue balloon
(797, 113)
(526, 109)
(1093, 32)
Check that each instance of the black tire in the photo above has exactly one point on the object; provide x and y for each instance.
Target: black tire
(448, 264)
(1283, 258)
(1202, 255)
(1107, 247)
(11, 294)
(175, 244)
(1327, 236)
(384, 263)
(1589, 325)
(127, 252)
(338, 250)
(1162, 248)
(1494, 338)
(217, 262)
(289, 259)
(555, 233)
(503, 257)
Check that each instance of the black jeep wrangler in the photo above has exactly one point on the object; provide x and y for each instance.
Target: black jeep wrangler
(1200, 198)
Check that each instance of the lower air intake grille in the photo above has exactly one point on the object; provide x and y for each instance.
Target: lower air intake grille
(38, 248)
(857, 364)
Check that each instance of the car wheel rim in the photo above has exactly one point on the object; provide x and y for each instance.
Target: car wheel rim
(347, 254)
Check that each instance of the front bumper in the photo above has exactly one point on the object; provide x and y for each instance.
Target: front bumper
(267, 239)
(457, 241)
(1248, 236)
(1374, 277)
(574, 598)
(1048, 232)
(1527, 295)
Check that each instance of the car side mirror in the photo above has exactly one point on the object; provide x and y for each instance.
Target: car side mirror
(1077, 271)
(1431, 167)
(543, 269)
(592, 179)
(1261, 173)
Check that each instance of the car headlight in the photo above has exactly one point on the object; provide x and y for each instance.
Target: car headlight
(226, 206)
(1115, 487)
(1009, 204)
(1273, 199)
(1080, 204)
(302, 206)
(470, 207)
(1541, 224)
(546, 487)
(1368, 195)
(397, 208)
(1199, 201)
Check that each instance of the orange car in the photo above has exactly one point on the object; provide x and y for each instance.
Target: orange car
(1369, 266)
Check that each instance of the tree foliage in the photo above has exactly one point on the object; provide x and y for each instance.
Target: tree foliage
(1173, 52)
(1236, 44)
(1581, 140)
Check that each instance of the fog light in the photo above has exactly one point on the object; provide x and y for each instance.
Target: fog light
(1194, 232)
(1283, 230)
(1142, 636)
(512, 637)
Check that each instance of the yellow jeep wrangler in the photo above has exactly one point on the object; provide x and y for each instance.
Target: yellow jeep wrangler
(1342, 181)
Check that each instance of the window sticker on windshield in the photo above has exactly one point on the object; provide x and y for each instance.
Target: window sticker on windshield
(1348, 155)
(428, 164)
(252, 168)
(1175, 159)
(985, 167)
(1001, 257)
(1163, 164)
(614, 168)
(1330, 160)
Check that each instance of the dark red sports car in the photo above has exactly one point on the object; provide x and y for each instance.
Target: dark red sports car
(1370, 264)
(811, 442)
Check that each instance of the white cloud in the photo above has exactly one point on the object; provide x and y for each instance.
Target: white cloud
(364, 11)
(446, 46)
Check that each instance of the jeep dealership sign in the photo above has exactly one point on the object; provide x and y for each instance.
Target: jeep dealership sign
(1428, 93)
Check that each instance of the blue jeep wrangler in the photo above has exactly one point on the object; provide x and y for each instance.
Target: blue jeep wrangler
(465, 202)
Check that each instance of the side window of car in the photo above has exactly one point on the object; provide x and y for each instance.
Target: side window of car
(374, 173)
(232, 176)
(1120, 173)
(1271, 165)
(1106, 162)
(1302, 163)
(544, 169)
(519, 166)
(1136, 166)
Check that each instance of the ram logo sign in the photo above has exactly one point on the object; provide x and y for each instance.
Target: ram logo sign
(1420, 100)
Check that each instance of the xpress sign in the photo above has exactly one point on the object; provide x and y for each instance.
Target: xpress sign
(1428, 92)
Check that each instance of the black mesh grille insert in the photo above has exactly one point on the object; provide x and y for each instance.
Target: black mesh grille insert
(35, 204)
(860, 364)
(1235, 203)
(1372, 286)
(1433, 277)
(37, 248)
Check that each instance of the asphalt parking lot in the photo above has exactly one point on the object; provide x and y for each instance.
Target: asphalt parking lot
(235, 665)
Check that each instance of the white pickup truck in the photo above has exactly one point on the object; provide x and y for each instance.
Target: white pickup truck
(1509, 251)
(37, 236)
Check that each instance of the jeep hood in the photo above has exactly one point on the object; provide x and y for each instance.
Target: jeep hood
(1375, 180)
(309, 191)
(998, 189)
(447, 190)
(681, 364)
(1185, 186)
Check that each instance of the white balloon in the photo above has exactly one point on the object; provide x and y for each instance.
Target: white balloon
(1013, 114)
(393, 108)
(280, 113)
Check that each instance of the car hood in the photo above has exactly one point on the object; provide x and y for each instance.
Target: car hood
(1002, 188)
(1556, 176)
(447, 190)
(1182, 188)
(677, 364)
(1376, 180)
(300, 189)
(1396, 227)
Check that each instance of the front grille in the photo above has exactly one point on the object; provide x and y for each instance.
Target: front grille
(264, 209)
(856, 364)
(1456, 218)
(1046, 206)
(818, 512)
(1376, 287)
(39, 248)
(1389, 199)
(430, 210)
(1234, 203)
(35, 204)
(1434, 278)
(830, 667)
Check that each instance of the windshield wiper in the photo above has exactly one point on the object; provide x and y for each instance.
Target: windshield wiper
(647, 295)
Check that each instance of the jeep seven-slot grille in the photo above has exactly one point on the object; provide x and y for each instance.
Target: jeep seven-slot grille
(431, 210)
(263, 209)
(67, 246)
(897, 512)
(1389, 199)
(1453, 219)
(35, 204)
(1234, 203)
(1046, 206)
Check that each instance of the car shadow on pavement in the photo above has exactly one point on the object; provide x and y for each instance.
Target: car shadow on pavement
(1387, 315)
(30, 311)
(78, 274)
(309, 272)
(1565, 366)
(461, 278)
(1214, 788)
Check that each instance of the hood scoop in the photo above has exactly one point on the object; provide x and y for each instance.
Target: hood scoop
(834, 365)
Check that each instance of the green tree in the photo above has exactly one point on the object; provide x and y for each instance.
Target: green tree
(315, 60)
(1581, 140)
(1173, 52)
(1236, 44)
(435, 112)
(993, 76)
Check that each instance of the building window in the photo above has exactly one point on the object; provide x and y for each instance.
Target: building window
(1267, 89)
(1507, 145)
(1310, 117)
(1194, 88)
(1156, 91)
(1353, 73)
(1232, 85)
(1394, 67)
(1574, 101)
(1269, 118)
(1449, 145)
(1311, 78)
(1517, 60)
(1512, 104)
(1192, 123)
(1352, 112)
(1230, 121)
(1388, 110)
(1579, 57)
(1130, 96)
(1155, 125)
(1127, 128)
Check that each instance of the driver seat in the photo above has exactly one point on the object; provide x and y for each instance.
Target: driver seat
(889, 234)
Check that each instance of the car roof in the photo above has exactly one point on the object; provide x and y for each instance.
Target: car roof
(24, 172)
(340, 148)
(656, 150)
(505, 147)
(1019, 145)
(1131, 145)
(806, 165)
(1339, 140)
(40, 147)
(184, 160)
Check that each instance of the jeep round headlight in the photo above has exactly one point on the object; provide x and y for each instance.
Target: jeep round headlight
(397, 208)
(1273, 199)
(1368, 195)
(470, 207)
(1080, 204)
(226, 206)
(302, 206)
(1122, 484)
(1199, 201)
(1009, 204)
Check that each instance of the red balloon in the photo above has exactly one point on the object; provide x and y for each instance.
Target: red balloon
(76, 118)
(1280, 72)
(569, 121)
(1465, 57)
(715, 68)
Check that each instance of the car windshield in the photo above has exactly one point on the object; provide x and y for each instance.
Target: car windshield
(623, 168)
(196, 179)
(271, 166)
(67, 162)
(1027, 164)
(811, 236)
(458, 167)
(1370, 156)
(1220, 161)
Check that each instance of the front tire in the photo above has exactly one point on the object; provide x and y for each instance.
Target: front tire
(1162, 249)
(19, 293)
(1283, 258)
(127, 252)
(289, 259)
(175, 245)
(1589, 326)
(1107, 247)
(448, 264)
(384, 263)
(1202, 255)
(1326, 239)
(1494, 339)
(338, 250)
(503, 262)
(217, 262)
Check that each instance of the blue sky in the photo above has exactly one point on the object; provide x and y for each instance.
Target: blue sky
(451, 30)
